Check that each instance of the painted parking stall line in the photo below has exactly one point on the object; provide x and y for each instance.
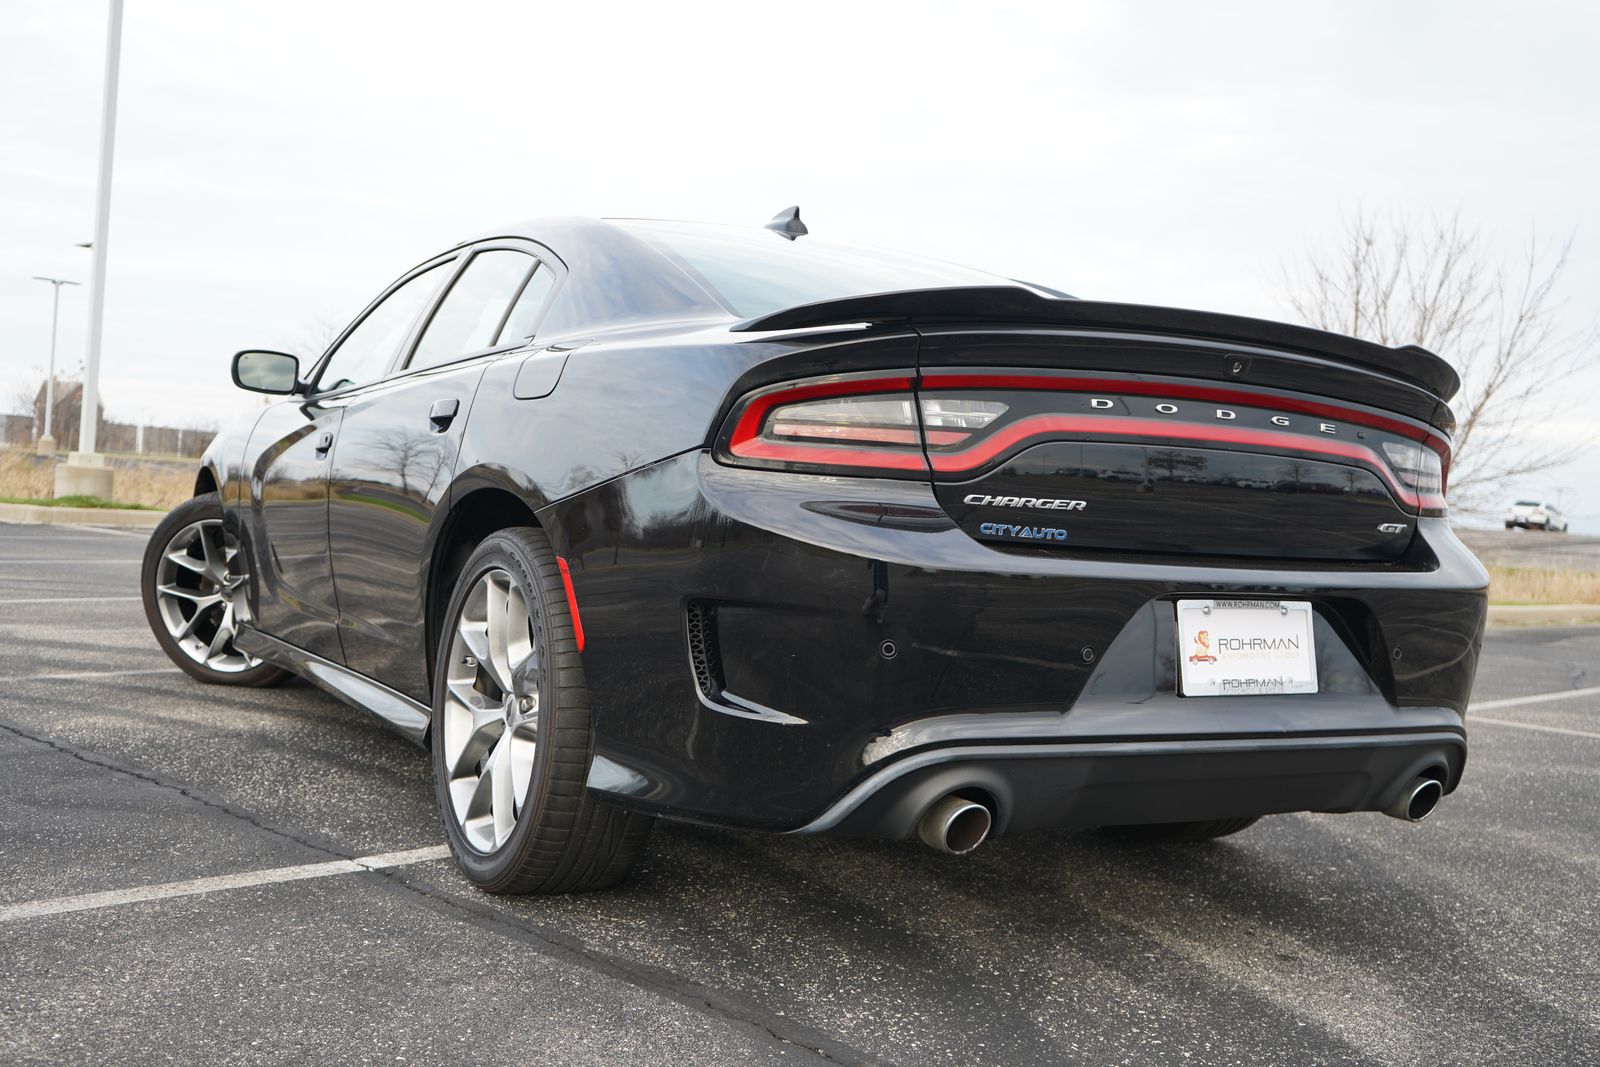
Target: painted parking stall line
(1533, 726)
(69, 600)
(113, 898)
(75, 676)
(1536, 698)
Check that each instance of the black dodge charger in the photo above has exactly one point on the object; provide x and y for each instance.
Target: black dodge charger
(632, 519)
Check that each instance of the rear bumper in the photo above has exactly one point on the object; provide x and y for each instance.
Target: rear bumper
(852, 628)
(1031, 787)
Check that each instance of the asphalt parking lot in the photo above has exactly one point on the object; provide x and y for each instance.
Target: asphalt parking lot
(1472, 938)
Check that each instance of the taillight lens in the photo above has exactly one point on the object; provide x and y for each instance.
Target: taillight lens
(868, 420)
(860, 425)
(1420, 468)
(854, 425)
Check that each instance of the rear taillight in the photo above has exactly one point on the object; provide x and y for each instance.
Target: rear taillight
(1420, 468)
(862, 424)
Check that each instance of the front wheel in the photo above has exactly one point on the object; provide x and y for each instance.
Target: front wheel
(192, 584)
(512, 737)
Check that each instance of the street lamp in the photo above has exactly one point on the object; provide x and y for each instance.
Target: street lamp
(85, 472)
(47, 443)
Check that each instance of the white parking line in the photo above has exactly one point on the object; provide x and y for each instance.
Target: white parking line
(142, 535)
(69, 563)
(113, 898)
(1474, 720)
(1537, 698)
(68, 600)
(73, 676)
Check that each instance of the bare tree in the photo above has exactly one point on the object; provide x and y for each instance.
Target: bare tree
(1438, 284)
(314, 339)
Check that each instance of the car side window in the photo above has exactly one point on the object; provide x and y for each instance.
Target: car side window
(469, 316)
(524, 315)
(366, 351)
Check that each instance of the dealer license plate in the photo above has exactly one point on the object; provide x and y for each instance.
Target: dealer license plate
(1245, 648)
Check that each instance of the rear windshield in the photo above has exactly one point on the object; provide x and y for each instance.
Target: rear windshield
(1527, 503)
(755, 271)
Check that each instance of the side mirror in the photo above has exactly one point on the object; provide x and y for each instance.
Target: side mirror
(266, 372)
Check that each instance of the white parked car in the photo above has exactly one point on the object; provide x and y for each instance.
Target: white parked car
(1532, 515)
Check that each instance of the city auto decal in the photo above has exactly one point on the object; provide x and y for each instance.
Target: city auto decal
(1023, 533)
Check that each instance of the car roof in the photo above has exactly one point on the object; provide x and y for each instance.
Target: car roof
(613, 278)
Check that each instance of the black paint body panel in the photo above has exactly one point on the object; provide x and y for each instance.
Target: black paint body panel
(1209, 502)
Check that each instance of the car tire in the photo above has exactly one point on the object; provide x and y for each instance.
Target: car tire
(1511, 526)
(1206, 830)
(192, 582)
(511, 716)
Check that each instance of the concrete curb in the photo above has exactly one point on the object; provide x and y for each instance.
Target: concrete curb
(40, 515)
(1543, 614)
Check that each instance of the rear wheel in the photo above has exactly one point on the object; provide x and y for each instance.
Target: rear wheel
(193, 586)
(512, 738)
(1183, 831)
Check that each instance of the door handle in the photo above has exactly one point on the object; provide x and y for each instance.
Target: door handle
(443, 413)
(324, 443)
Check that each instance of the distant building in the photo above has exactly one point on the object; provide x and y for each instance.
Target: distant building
(111, 437)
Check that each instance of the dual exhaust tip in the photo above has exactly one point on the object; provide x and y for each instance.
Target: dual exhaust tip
(956, 825)
(1417, 800)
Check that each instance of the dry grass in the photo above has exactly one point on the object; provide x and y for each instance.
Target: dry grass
(151, 483)
(1528, 585)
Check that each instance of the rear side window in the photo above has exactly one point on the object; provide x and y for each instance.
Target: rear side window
(469, 317)
(366, 351)
(524, 317)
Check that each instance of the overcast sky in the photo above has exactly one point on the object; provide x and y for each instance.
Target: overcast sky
(278, 164)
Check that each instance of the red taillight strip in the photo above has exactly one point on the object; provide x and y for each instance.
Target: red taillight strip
(1188, 392)
(746, 441)
(754, 414)
(884, 459)
(1116, 425)
(572, 601)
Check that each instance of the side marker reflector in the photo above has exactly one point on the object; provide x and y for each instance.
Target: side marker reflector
(572, 601)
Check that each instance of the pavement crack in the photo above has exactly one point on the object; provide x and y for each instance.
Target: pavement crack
(643, 976)
(95, 759)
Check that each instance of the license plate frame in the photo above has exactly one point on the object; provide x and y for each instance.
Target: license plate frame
(1266, 647)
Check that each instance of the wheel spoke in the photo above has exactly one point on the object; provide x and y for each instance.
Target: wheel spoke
(475, 639)
(181, 557)
(187, 629)
(224, 635)
(498, 610)
(194, 596)
(213, 557)
(471, 727)
(503, 790)
(523, 747)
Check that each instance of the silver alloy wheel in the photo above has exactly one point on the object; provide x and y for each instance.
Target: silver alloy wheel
(200, 598)
(491, 710)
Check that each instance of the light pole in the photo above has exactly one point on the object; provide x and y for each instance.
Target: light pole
(47, 442)
(85, 472)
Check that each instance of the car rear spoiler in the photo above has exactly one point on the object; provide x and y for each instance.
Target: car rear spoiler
(1014, 304)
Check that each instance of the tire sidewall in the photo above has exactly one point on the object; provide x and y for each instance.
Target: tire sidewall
(498, 552)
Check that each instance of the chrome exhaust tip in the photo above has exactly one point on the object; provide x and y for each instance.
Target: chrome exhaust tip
(955, 825)
(1417, 800)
